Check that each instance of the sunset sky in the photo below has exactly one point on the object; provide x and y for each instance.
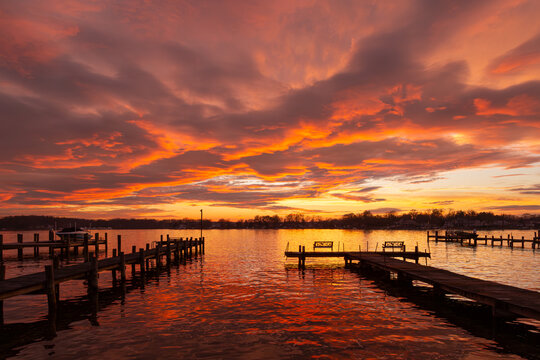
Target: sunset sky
(160, 108)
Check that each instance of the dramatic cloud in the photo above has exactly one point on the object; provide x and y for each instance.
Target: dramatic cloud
(264, 106)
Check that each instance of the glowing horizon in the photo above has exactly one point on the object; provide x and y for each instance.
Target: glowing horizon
(258, 108)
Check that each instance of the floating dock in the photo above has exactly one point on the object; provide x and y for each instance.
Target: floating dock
(302, 254)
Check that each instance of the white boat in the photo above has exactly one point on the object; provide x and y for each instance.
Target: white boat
(73, 234)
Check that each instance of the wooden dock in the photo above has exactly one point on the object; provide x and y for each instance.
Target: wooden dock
(502, 298)
(302, 254)
(66, 248)
(49, 281)
(510, 241)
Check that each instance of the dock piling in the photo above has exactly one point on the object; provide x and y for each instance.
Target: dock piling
(133, 250)
(119, 244)
(122, 267)
(158, 256)
(56, 265)
(141, 262)
(20, 250)
(113, 271)
(51, 292)
(85, 248)
(96, 245)
(2, 277)
(168, 253)
(93, 275)
(36, 248)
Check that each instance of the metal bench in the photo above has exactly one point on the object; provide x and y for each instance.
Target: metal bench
(323, 244)
(394, 245)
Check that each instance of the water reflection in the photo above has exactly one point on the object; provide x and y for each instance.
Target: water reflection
(242, 301)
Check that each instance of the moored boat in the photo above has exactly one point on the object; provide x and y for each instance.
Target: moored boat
(72, 234)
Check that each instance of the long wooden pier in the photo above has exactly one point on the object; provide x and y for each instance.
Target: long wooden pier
(510, 241)
(49, 281)
(502, 298)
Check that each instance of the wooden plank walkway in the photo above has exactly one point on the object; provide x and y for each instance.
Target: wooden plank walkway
(502, 298)
(49, 281)
(25, 284)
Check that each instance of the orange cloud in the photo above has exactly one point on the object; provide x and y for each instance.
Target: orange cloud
(521, 105)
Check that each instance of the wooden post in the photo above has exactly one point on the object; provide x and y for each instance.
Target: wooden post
(51, 239)
(299, 256)
(56, 265)
(147, 259)
(141, 262)
(436, 236)
(133, 250)
(93, 288)
(523, 241)
(119, 244)
(107, 244)
(185, 250)
(20, 249)
(93, 276)
(1, 248)
(176, 252)
(2, 277)
(85, 248)
(203, 241)
(113, 271)
(196, 247)
(96, 245)
(122, 267)
(158, 256)
(51, 292)
(416, 257)
(36, 248)
(168, 253)
(68, 245)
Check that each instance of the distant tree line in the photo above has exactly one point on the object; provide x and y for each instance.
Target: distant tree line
(431, 219)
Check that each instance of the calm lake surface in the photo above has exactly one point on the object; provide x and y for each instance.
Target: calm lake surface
(244, 300)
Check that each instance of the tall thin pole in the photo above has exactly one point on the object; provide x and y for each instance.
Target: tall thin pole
(201, 223)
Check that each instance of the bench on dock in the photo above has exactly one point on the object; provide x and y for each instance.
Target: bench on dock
(394, 245)
(323, 244)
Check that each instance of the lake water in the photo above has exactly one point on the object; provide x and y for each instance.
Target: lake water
(244, 300)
